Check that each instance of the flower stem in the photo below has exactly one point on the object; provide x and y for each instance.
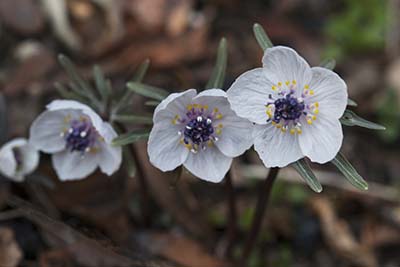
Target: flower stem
(262, 201)
(232, 227)
(141, 176)
(144, 188)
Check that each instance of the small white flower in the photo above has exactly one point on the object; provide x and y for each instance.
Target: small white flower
(18, 159)
(78, 139)
(199, 131)
(296, 108)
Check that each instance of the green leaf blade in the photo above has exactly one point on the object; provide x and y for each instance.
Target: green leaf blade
(133, 119)
(218, 75)
(350, 118)
(304, 169)
(132, 137)
(329, 64)
(147, 90)
(351, 102)
(124, 101)
(262, 37)
(349, 172)
(101, 83)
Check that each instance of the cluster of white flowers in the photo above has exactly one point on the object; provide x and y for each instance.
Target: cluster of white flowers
(294, 112)
(286, 109)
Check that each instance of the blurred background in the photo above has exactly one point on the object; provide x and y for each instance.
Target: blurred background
(99, 221)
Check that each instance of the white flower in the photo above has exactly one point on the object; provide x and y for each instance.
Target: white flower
(199, 131)
(78, 139)
(18, 159)
(296, 108)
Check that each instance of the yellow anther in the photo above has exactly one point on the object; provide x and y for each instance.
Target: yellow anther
(316, 111)
(210, 143)
(306, 86)
(274, 87)
(67, 118)
(273, 123)
(278, 126)
(316, 104)
(287, 82)
(173, 121)
(220, 125)
(294, 82)
(82, 118)
(283, 130)
(311, 92)
(218, 131)
(314, 117)
(215, 110)
(269, 113)
(196, 105)
(205, 107)
(181, 141)
(279, 84)
(219, 116)
(299, 131)
(189, 107)
(309, 121)
(292, 131)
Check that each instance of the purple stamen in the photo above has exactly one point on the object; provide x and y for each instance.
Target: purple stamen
(81, 136)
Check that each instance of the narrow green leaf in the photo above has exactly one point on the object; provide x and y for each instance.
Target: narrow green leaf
(131, 137)
(129, 162)
(133, 119)
(262, 37)
(68, 94)
(70, 68)
(3, 119)
(349, 172)
(127, 96)
(79, 84)
(141, 71)
(349, 118)
(304, 169)
(147, 90)
(152, 103)
(351, 102)
(218, 75)
(101, 83)
(329, 64)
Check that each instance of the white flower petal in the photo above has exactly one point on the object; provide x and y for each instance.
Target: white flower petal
(249, 94)
(282, 64)
(110, 157)
(209, 165)
(213, 98)
(164, 147)
(8, 163)
(174, 104)
(236, 134)
(330, 91)
(322, 140)
(45, 131)
(30, 158)
(96, 120)
(73, 165)
(276, 149)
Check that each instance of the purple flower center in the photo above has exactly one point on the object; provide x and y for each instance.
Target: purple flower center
(81, 136)
(198, 130)
(18, 157)
(286, 111)
(288, 108)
